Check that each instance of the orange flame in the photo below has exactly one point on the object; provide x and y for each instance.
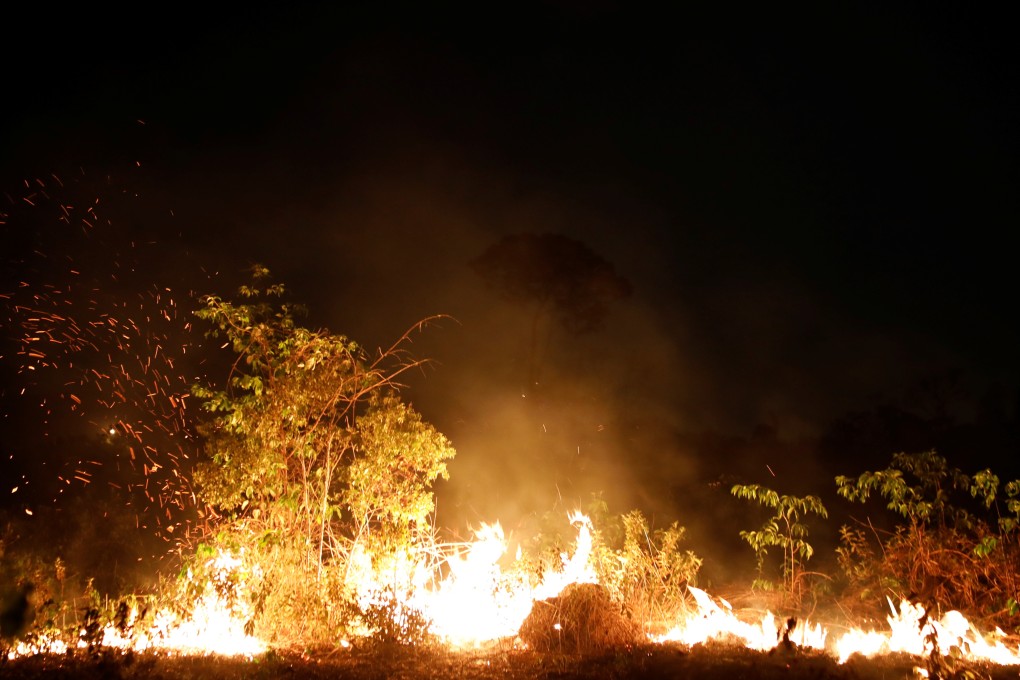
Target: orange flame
(215, 626)
(477, 602)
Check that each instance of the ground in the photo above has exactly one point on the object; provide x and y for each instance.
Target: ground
(659, 661)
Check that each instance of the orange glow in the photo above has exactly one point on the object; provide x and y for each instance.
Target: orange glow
(478, 602)
(215, 626)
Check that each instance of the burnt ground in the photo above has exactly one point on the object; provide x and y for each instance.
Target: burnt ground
(656, 661)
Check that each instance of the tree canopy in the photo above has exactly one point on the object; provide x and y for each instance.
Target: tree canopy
(553, 276)
(557, 274)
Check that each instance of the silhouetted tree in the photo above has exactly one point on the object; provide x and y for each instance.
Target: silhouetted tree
(557, 277)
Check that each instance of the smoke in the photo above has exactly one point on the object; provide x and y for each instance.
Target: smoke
(696, 382)
(370, 189)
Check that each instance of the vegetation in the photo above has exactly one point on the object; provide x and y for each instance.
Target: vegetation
(651, 570)
(316, 480)
(41, 592)
(957, 548)
(786, 530)
(311, 458)
(644, 571)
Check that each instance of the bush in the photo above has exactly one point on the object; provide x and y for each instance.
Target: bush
(650, 572)
(955, 546)
(308, 455)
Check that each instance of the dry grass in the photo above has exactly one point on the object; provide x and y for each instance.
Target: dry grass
(583, 619)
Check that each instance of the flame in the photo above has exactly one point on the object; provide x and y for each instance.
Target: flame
(716, 621)
(214, 626)
(477, 602)
(913, 631)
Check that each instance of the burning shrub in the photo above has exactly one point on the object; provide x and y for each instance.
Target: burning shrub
(582, 619)
(650, 573)
(273, 584)
(389, 620)
(958, 547)
(309, 456)
(646, 571)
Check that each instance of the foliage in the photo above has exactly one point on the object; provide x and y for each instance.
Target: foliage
(644, 571)
(654, 570)
(309, 451)
(785, 529)
(397, 456)
(927, 500)
(42, 601)
(957, 546)
(389, 621)
(268, 583)
(55, 596)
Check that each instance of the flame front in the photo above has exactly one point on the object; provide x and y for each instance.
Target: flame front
(714, 621)
(478, 602)
(913, 631)
(214, 626)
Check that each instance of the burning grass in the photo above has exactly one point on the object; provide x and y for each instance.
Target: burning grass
(578, 622)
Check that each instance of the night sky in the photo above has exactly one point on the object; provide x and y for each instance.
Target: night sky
(815, 212)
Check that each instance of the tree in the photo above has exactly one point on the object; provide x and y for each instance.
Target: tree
(557, 277)
(309, 440)
(784, 530)
(918, 487)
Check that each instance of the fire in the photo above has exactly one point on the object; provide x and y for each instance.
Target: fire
(478, 602)
(913, 631)
(714, 621)
(217, 620)
(215, 626)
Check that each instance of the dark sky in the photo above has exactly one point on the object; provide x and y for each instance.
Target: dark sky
(816, 211)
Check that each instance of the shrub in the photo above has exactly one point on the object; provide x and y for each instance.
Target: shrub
(955, 545)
